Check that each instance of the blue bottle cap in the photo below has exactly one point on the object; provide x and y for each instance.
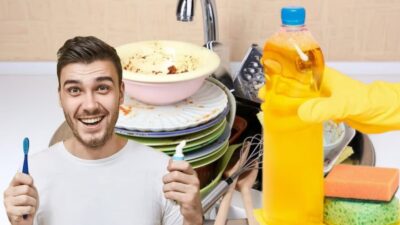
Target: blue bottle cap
(293, 16)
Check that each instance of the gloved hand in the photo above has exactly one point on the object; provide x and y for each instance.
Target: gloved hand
(369, 108)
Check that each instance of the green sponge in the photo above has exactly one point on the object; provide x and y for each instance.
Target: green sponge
(352, 212)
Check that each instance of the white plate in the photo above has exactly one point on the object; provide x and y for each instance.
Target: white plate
(209, 101)
(174, 133)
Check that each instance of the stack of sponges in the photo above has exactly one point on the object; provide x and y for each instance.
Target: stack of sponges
(361, 195)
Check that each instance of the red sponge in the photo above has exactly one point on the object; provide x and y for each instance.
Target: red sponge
(362, 182)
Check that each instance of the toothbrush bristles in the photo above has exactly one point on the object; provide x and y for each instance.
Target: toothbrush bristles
(26, 146)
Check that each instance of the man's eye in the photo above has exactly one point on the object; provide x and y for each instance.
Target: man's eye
(103, 88)
(74, 90)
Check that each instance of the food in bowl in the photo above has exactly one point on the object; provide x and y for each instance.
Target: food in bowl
(333, 135)
(160, 63)
(165, 72)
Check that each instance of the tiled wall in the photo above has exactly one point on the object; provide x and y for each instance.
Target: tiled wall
(346, 29)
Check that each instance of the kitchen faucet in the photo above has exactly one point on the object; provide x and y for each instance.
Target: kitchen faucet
(185, 13)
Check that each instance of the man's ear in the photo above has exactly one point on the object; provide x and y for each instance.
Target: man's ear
(59, 97)
(121, 93)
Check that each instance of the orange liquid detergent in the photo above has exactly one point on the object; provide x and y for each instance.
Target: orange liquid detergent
(293, 149)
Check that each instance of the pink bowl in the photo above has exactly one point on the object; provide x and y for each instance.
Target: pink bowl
(160, 93)
(163, 72)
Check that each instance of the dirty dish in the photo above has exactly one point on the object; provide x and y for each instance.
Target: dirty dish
(190, 146)
(222, 163)
(174, 133)
(209, 149)
(334, 134)
(162, 72)
(205, 105)
(149, 141)
(331, 157)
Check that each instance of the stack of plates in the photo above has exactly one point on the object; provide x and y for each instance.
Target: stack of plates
(201, 120)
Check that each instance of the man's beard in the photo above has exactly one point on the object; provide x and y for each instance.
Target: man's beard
(94, 142)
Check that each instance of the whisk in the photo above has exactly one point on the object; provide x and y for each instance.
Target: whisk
(254, 145)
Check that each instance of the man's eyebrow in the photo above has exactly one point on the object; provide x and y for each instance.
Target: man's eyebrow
(71, 82)
(98, 79)
(105, 78)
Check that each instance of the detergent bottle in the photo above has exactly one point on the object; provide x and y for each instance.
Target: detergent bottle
(293, 149)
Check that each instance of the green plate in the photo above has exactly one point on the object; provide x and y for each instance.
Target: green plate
(193, 145)
(223, 162)
(214, 156)
(175, 140)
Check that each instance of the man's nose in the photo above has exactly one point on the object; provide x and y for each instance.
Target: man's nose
(90, 104)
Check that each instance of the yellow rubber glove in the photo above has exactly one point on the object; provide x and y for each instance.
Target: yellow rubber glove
(369, 108)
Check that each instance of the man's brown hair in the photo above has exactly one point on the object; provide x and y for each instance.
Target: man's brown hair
(87, 50)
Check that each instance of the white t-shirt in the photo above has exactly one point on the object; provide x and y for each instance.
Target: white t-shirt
(123, 189)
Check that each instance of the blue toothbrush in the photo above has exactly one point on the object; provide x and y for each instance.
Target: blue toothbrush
(25, 168)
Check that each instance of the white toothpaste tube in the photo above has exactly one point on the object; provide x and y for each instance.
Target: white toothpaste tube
(179, 151)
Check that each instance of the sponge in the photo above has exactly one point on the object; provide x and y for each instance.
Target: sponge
(351, 212)
(362, 182)
(345, 154)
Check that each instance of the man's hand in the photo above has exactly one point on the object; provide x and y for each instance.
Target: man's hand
(182, 185)
(21, 198)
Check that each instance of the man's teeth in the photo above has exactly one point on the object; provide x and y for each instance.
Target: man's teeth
(91, 120)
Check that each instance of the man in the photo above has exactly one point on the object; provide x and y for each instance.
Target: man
(97, 177)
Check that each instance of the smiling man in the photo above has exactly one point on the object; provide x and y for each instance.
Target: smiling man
(97, 177)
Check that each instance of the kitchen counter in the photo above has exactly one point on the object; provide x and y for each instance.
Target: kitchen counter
(30, 108)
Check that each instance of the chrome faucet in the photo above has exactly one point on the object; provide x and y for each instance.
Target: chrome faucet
(185, 13)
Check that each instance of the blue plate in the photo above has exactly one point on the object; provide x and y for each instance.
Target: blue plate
(163, 134)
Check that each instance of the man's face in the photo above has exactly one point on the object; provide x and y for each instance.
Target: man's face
(90, 97)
